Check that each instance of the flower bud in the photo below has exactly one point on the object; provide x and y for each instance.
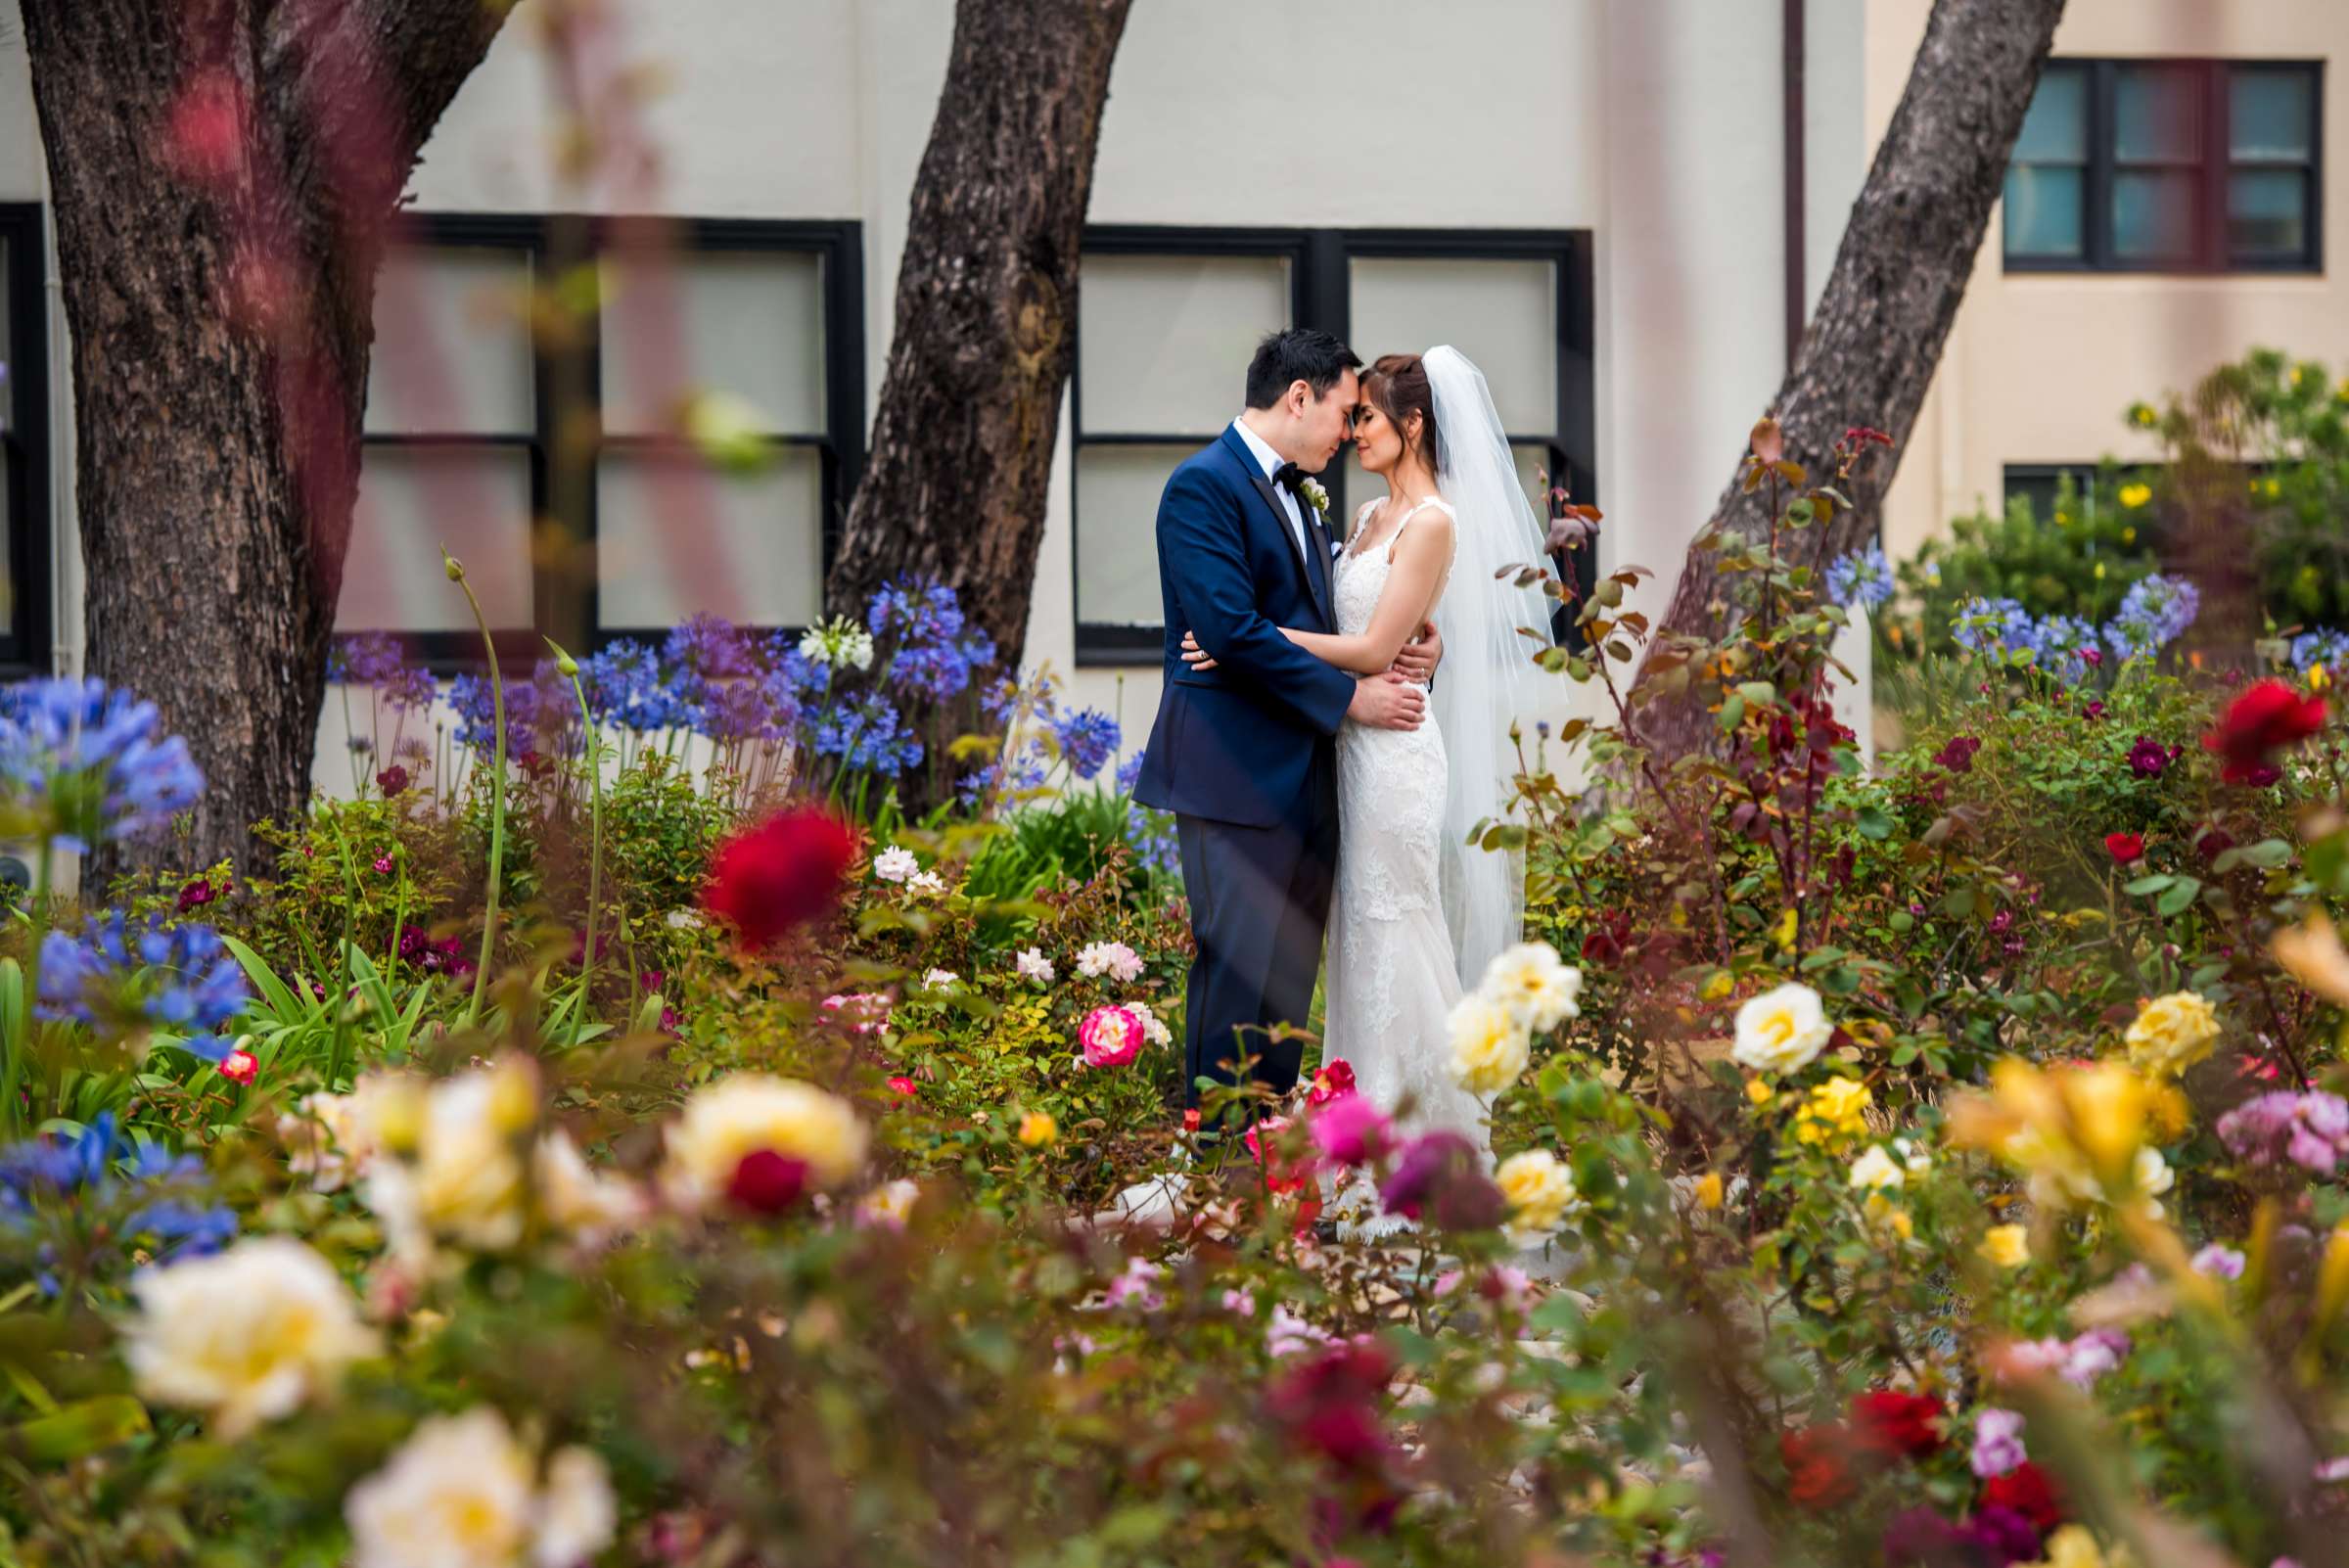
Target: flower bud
(452, 566)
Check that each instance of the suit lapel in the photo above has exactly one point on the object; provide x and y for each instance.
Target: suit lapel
(1316, 582)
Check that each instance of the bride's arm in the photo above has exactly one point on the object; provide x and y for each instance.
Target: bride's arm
(1420, 557)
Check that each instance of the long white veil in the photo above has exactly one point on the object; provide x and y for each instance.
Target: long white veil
(1488, 680)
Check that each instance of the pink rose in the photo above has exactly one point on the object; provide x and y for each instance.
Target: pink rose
(1111, 1036)
(1350, 1130)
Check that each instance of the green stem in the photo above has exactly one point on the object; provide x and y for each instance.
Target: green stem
(11, 1072)
(595, 832)
(497, 788)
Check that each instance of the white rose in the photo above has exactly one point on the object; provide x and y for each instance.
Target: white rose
(928, 884)
(1031, 964)
(896, 864)
(1875, 1171)
(1529, 981)
(1781, 1030)
(461, 1493)
(247, 1335)
(577, 1197)
(938, 979)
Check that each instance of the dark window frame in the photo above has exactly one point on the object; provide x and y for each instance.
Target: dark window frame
(561, 238)
(2212, 256)
(1320, 295)
(27, 631)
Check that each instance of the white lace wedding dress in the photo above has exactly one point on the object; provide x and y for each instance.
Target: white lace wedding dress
(1393, 976)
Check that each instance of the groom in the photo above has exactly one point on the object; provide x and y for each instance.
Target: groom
(1244, 754)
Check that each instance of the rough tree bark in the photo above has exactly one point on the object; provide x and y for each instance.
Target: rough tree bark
(225, 173)
(962, 442)
(1869, 351)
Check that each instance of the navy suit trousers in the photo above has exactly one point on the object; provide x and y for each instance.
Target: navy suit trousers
(1260, 902)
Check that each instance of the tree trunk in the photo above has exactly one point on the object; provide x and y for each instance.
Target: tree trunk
(962, 443)
(225, 173)
(1872, 344)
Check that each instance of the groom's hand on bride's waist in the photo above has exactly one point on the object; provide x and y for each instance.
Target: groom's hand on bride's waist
(1388, 702)
(1418, 658)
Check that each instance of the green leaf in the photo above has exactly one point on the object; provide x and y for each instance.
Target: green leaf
(2145, 885)
(1874, 823)
(264, 980)
(2180, 898)
(79, 1429)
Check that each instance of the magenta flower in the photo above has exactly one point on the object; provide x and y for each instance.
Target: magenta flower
(1998, 1442)
(1111, 1036)
(1350, 1131)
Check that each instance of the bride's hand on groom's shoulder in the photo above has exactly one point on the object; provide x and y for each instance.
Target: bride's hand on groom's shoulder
(1417, 661)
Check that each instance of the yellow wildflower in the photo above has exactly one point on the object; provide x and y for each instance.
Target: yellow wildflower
(2134, 496)
(1708, 1190)
(1037, 1128)
(1759, 1091)
(2007, 1246)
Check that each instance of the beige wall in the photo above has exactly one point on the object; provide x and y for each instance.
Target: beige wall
(2039, 366)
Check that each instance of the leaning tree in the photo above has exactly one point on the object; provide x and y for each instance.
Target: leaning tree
(962, 440)
(225, 177)
(1869, 354)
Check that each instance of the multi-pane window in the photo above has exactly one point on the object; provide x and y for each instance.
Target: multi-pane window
(2168, 166)
(24, 445)
(1169, 318)
(566, 474)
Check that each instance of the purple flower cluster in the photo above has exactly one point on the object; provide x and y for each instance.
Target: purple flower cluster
(376, 659)
(1087, 737)
(181, 978)
(101, 1186)
(2310, 1130)
(2322, 648)
(2153, 614)
(1982, 625)
(1862, 578)
(88, 759)
(936, 654)
(1919, 1538)
(443, 956)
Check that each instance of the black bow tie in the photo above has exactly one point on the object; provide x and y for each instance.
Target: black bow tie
(1289, 477)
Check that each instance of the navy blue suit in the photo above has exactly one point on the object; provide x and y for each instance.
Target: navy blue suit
(1244, 754)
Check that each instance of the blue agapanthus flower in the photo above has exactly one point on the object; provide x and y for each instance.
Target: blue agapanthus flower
(2064, 646)
(915, 613)
(1129, 771)
(2322, 648)
(2153, 614)
(90, 760)
(1862, 578)
(112, 975)
(1980, 624)
(1152, 835)
(477, 715)
(707, 646)
(98, 1185)
(624, 688)
(1088, 738)
(868, 736)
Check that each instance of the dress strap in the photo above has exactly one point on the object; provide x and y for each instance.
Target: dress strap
(1436, 501)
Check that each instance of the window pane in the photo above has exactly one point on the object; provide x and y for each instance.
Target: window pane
(1164, 340)
(2157, 117)
(2267, 212)
(2153, 216)
(452, 353)
(673, 538)
(7, 379)
(1117, 533)
(2055, 132)
(1501, 314)
(752, 326)
(414, 499)
(2270, 114)
(2046, 211)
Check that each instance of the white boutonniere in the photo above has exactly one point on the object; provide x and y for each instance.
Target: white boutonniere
(1315, 497)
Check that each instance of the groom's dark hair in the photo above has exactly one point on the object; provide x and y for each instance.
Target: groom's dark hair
(1295, 354)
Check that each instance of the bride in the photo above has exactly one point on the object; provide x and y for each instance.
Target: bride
(1418, 913)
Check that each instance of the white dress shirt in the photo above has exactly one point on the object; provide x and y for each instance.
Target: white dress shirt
(1270, 462)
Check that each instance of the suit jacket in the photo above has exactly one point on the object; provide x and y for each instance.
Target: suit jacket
(1236, 743)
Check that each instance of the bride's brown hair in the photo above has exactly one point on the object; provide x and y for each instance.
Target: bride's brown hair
(1397, 384)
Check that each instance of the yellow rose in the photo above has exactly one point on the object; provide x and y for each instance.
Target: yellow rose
(247, 1335)
(1540, 1189)
(2172, 1032)
(1781, 1030)
(2007, 1246)
(745, 1113)
(1037, 1128)
(1708, 1190)
(1834, 1110)
(1489, 1046)
(1759, 1091)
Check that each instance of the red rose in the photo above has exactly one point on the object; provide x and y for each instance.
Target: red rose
(767, 1182)
(1336, 1079)
(781, 873)
(391, 780)
(240, 1066)
(2028, 1491)
(1892, 1422)
(2267, 716)
(904, 1086)
(2125, 847)
(1819, 1471)
(1330, 1403)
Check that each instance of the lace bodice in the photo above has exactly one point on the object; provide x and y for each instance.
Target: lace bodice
(1362, 574)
